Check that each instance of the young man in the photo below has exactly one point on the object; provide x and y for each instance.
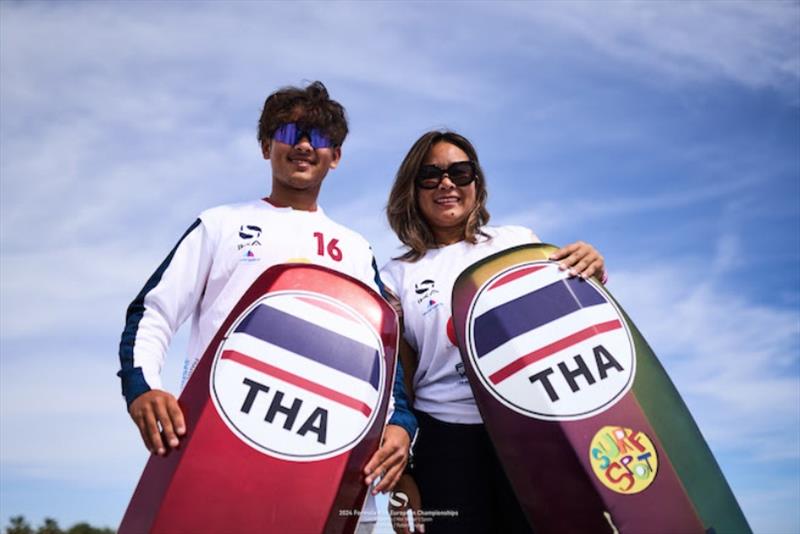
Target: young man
(301, 131)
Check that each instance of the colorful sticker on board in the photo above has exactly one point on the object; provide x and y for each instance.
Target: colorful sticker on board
(549, 346)
(624, 460)
(299, 376)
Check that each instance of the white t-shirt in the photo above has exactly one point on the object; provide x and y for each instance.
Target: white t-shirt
(424, 288)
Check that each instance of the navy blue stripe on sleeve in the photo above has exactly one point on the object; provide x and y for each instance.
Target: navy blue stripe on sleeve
(378, 281)
(133, 382)
(402, 415)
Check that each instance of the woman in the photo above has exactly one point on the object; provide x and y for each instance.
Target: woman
(437, 208)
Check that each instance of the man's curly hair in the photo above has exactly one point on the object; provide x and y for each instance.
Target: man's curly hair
(311, 107)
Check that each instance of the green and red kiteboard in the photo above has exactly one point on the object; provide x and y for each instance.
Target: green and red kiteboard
(591, 432)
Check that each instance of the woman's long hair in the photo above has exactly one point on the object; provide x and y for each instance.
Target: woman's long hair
(405, 217)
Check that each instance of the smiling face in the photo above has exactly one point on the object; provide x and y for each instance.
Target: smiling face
(298, 171)
(447, 207)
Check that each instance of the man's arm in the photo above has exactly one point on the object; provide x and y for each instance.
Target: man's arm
(168, 297)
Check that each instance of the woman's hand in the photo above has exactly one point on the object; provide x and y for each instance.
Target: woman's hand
(582, 259)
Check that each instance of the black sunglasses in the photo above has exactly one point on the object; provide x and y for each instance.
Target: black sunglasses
(460, 173)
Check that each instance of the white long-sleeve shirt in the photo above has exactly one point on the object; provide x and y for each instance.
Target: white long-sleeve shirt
(211, 267)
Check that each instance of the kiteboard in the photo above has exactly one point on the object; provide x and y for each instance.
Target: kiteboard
(283, 411)
(590, 430)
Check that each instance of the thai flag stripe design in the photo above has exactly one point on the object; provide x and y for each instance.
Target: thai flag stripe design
(552, 348)
(330, 314)
(510, 286)
(549, 334)
(328, 307)
(296, 380)
(298, 365)
(519, 273)
(530, 311)
(316, 343)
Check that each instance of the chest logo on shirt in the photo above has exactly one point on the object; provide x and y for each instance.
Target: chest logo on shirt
(425, 291)
(299, 376)
(249, 233)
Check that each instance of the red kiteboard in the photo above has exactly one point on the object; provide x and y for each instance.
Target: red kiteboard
(283, 411)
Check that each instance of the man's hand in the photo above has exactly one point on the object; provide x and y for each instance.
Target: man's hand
(156, 409)
(582, 259)
(389, 460)
(404, 497)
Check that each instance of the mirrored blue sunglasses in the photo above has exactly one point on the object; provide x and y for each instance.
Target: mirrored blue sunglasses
(290, 133)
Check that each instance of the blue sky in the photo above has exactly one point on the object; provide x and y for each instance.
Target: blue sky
(667, 134)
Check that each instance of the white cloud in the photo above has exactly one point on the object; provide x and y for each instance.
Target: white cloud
(63, 417)
(548, 217)
(752, 43)
(781, 497)
(69, 290)
(122, 47)
(67, 422)
(728, 254)
(731, 359)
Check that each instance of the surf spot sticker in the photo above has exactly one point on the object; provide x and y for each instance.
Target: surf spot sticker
(624, 460)
(299, 376)
(549, 346)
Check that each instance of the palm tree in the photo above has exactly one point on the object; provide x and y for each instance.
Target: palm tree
(18, 525)
(50, 526)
